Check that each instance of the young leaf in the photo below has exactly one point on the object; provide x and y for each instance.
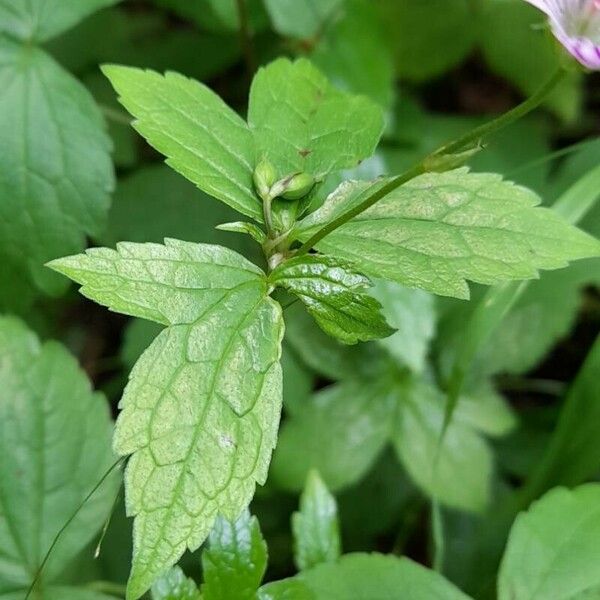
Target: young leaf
(439, 230)
(461, 477)
(201, 410)
(316, 527)
(40, 20)
(301, 123)
(339, 433)
(56, 173)
(202, 138)
(235, 561)
(55, 439)
(412, 313)
(378, 577)
(552, 551)
(335, 296)
(174, 585)
(301, 18)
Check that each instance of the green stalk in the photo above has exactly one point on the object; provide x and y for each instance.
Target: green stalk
(462, 143)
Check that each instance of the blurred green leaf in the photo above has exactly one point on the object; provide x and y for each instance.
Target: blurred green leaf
(286, 589)
(301, 18)
(235, 561)
(315, 526)
(552, 550)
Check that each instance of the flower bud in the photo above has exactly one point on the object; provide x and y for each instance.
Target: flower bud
(298, 186)
(264, 177)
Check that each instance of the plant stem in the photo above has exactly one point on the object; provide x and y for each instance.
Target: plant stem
(454, 147)
(246, 38)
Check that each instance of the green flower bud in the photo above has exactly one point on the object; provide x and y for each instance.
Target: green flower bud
(298, 186)
(264, 177)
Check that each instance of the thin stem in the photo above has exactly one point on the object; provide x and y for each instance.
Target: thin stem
(454, 147)
(246, 38)
(267, 214)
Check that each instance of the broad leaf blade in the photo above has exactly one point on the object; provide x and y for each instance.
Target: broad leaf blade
(202, 138)
(439, 230)
(303, 124)
(55, 437)
(174, 585)
(552, 551)
(335, 295)
(315, 526)
(41, 20)
(55, 169)
(235, 561)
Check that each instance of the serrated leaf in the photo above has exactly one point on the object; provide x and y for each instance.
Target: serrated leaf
(41, 20)
(301, 18)
(335, 295)
(552, 551)
(301, 123)
(378, 577)
(412, 314)
(339, 433)
(202, 138)
(315, 526)
(55, 169)
(201, 410)
(439, 230)
(174, 585)
(235, 561)
(461, 477)
(55, 437)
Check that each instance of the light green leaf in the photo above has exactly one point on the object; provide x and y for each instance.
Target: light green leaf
(40, 20)
(335, 295)
(412, 313)
(315, 526)
(428, 37)
(461, 478)
(439, 230)
(235, 561)
(286, 589)
(201, 410)
(55, 169)
(354, 55)
(301, 18)
(55, 437)
(378, 577)
(202, 138)
(516, 47)
(303, 124)
(339, 433)
(174, 585)
(553, 551)
(256, 233)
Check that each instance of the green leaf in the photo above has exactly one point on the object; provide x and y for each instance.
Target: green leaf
(298, 381)
(40, 20)
(174, 585)
(461, 478)
(55, 169)
(256, 233)
(339, 433)
(301, 123)
(428, 37)
(439, 230)
(412, 313)
(201, 410)
(378, 577)
(235, 561)
(202, 138)
(286, 589)
(552, 550)
(55, 437)
(316, 527)
(335, 296)
(515, 47)
(138, 335)
(354, 54)
(301, 18)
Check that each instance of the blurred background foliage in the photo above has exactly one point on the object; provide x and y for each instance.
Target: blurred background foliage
(437, 68)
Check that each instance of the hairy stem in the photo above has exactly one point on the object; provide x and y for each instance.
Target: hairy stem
(462, 143)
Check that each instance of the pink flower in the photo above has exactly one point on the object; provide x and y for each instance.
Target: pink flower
(576, 25)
